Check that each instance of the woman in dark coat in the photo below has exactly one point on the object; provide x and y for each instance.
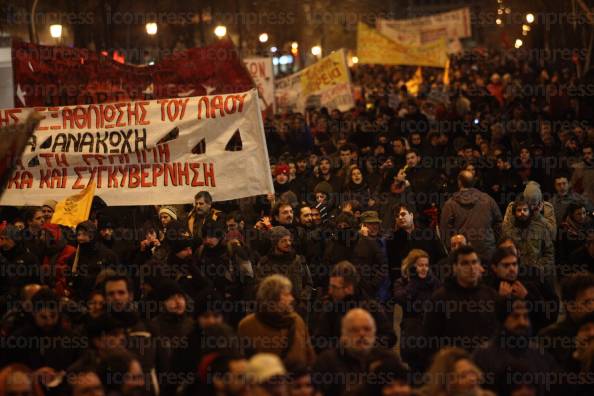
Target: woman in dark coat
(412, 292)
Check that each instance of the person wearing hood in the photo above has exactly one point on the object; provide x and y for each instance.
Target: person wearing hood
(19, 266)
(573, 231)
(282, 259)
(342, 242)
(532, 238)
(472, 213)
(225, 264)
(172, 326)
(93, 257)
(412, 292)
(544, 210)
(511, 347)
(54, 262)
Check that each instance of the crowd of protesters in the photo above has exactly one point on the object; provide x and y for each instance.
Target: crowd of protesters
(441, 244)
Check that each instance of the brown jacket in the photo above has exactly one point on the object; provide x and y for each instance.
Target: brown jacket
(258, 337)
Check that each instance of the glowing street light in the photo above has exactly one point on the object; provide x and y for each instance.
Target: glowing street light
(355, 60)
(316, 50)
(498, 21)
(56, 31)
(294, 45)
(526, 28)
(529, 18)
(151, 28)
(518, 43)
(220, 31)
(263, 37)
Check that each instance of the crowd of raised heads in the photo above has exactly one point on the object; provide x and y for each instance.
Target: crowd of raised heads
(437, 244)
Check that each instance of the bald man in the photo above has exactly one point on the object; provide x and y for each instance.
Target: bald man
(340, 371)
(473, 213)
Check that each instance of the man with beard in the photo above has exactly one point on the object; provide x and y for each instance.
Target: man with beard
(310, 238)
(202, 213)
(93, 257)
(505, 278)
(532, 238)
(513, 347)
(326, 174)
(582, 178)
(43, 342)
(120, 303)
(282, 259)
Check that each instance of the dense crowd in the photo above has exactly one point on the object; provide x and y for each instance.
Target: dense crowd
(437, 244)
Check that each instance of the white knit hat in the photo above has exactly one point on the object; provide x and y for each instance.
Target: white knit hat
(170, 210)
(263, 367)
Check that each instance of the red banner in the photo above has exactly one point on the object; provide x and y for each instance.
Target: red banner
(61, 76)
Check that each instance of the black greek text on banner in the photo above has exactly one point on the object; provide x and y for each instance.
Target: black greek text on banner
(143, 152)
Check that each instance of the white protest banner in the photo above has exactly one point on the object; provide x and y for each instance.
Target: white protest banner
(143, 152)
(454, 24)
(261, 71)
(325, 83)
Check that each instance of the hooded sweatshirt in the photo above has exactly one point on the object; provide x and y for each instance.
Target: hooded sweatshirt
(474, 214)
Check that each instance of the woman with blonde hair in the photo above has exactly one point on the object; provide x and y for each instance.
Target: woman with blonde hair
(413, 292)
(453, 373)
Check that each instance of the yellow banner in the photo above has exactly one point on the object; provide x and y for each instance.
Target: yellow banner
(375, 48)
(327, 73)
(74, 209)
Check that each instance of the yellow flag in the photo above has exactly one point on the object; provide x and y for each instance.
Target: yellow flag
(413, 85)
(74, 209)
(446, 73)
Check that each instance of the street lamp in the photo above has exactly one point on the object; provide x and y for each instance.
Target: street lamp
(263, 37)
(56, 31)
(151, 28)
(498, 21)
(273, 49)
(294, 45)
(220, 31)
(316, 50)
(529, 18)
(518, 43)
(355, 60)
